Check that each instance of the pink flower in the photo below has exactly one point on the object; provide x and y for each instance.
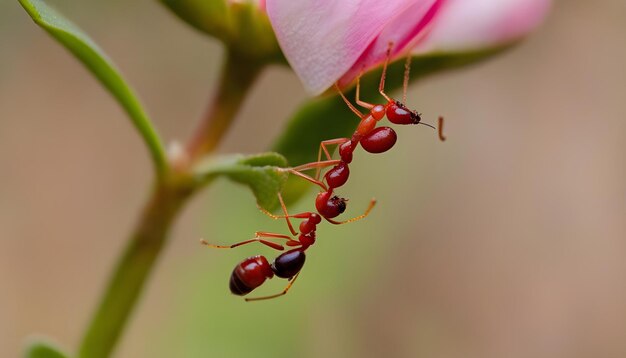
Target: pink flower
(333, 40)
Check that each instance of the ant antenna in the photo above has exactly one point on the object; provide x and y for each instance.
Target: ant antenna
(405, 83)
(428, 125)
(439, 128)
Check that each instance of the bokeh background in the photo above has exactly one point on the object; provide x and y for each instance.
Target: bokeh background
(508, 240)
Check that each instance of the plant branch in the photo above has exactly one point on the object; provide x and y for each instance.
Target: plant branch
(168, 197)
(133, 270)
(237, 76)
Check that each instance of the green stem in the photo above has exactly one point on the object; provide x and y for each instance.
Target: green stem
(168, 197)
(132, 271)
(237, 76)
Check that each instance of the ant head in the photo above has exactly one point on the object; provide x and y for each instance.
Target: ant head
(398, 113)
(329, 205)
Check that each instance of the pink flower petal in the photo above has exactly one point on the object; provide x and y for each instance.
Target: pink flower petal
(404, 31)
(464, 25)
(322, 39)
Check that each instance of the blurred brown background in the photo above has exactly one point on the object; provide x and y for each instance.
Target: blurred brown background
(509, 240)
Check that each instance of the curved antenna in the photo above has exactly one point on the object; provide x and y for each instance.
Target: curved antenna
(428, 125)
(362, 216)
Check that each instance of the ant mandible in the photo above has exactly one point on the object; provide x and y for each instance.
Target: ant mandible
(254, 271)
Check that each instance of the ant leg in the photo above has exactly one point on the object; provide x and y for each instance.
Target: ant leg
(286, 216)
(323, 145)
(284, 292)
(313, 165)
(405, 82)
(290, 241)
(352, 108)
(381, 86)
(295, 172)
(257, 238)
(276, 217)
(362, 216)
(358, 91)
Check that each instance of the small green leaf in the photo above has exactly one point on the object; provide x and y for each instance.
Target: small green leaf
(85, 50)
(328, 117)
(41, 349)
(261, 172)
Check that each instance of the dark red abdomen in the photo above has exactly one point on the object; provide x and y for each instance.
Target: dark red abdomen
(250, 274)
(379, 140)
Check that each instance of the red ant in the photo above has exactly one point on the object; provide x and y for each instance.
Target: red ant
(253, 271)
(373, 139)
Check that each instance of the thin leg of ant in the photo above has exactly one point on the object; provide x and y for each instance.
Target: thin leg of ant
(362, 216)
(323, 145)
(257, 238)
(308, 178)
(313, 165)
(358, 91)
(352, 108)
(284, 292)
(297, 171)
(381, 86)
(286, 216)
(407, 72)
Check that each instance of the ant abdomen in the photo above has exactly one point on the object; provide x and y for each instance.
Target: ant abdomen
(288, 264)
(250, 274)
(379, 140)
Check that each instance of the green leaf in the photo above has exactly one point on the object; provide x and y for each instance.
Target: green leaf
(85, 50)
(41, 349)
(261, 172)
(328, 117)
